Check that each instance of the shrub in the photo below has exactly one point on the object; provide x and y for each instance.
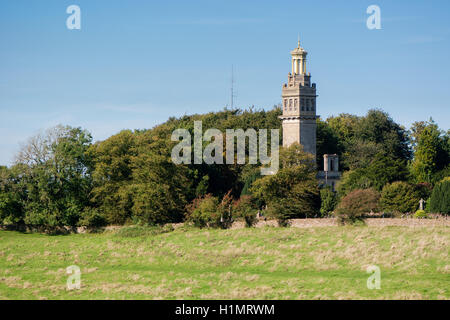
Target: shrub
(440, 198)
(203, 211)
(353, 206)
(92, 218)
(400, 197)
(420, 214)
(225, 211)
(11, 211)
(281, 211)
(246, 209)
(156, 204)
(207, 211)
(328, 201)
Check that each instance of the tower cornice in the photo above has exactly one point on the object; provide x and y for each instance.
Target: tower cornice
(301, 117)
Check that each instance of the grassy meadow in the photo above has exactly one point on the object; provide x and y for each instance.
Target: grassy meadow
(260, 263)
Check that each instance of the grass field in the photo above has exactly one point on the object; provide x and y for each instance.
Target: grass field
(261, 263)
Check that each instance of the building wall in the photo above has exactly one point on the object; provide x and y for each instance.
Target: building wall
(291, 131)
(308, 135)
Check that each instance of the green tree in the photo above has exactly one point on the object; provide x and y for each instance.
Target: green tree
(328, 201)
(400, 197)
(440, 198)
(431, 151)
(378, 127)
(361, 138)
(382, 170)
(294, 185)
(56, 173)
(112, 176)
(161, 189)
(327, 142)
(254, 175)
(12, 196)
(343, 127)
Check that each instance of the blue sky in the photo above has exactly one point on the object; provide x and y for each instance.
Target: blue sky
(135, 63)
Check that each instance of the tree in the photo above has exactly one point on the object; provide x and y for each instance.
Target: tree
(327, 141)
(154, 203)
(56, 174)
(161, 189)
(294, 185)
(431, 151)
(112, 176)
(378, 127)
(328, 201)
(250, 179)
(382, 170)
(400, 197)
(12, 196)
(343, 127)
(361, 138)
(361, 153)
(440, 198)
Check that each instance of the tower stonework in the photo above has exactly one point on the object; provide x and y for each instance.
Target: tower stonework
(299, 105)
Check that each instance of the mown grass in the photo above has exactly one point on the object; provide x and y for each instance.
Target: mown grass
(260, 263)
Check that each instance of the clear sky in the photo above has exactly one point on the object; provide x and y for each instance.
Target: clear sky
(135, 63)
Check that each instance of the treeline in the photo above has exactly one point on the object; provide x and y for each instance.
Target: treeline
(60, 178)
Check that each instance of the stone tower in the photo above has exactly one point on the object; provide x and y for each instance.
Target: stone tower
(299, 104)
(330, 174)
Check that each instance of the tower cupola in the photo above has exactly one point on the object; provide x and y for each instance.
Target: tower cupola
(298, 60)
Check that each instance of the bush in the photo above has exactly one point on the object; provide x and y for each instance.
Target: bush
(203, 210)
(400, 197)
(328, 201)
(156, 204)
(281, 211)
(225, 210)
(206, 211)
(11, 211)
(420, 214)
(440, 198)
(246, 209)
(92, 218)
(353, 206)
